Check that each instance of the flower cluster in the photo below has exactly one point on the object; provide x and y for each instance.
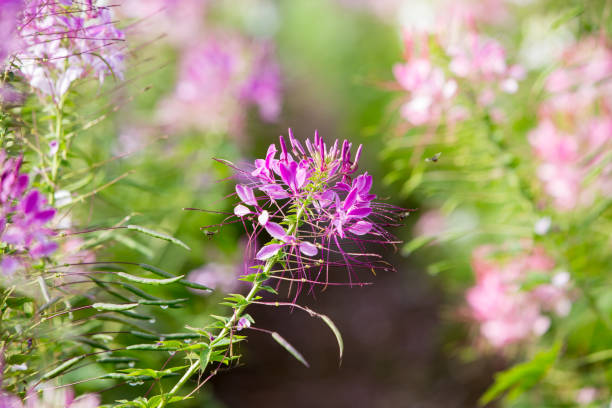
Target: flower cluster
(50, 398)
(431, 93)
(178, 21)
(307, 199)
(23, 216)
(511, 294)
(575, 127)
(9, 15)
(475, 62)
(62, 41)
(218, 78)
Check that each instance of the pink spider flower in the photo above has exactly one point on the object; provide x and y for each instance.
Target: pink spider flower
(430, 92)
(314, 184)
(62, 41)
(50, 397)
(23, 218)
(219, 78)
(483, 62)
(575, 127)
(9, 14)
(508, 309)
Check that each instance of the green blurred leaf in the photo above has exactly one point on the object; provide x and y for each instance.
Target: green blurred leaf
(158, 235)
(520, 378)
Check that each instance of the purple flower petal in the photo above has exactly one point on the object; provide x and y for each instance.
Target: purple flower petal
(45, 216)
(287, 173)
(360, 227)
(350, 199)
(276, 231)
(246, 194)
(308, 248)
(43, 249)
(9, 265)
(240, 210)
(274, 191)
(263, 218)
(32, 202)
(268, 251)
(359, 212)
(243, 323)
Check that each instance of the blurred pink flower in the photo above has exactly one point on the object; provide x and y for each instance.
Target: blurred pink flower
(575, 127)
(61, 41)
(477, 65)
(178, 21)
(9, 12)
(219, 77)
(51, 397)
(430, 224)
(430, 92)
(482, 61)
(217, 276)
(508, 311)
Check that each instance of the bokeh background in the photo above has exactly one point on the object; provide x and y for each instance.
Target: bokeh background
(324, 65)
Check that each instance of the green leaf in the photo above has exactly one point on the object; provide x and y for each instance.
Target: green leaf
(336, 332)
(112, 307)
(287, 346)
(205, 358)
(520, 378)
(161, 272)
(149, 281)
(567, 16)
(158, 235)
(417, 243)
(62, 367)
(135, 245)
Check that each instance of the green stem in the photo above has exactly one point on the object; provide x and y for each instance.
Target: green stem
(224, 332)
(59, 136)
(257, 283)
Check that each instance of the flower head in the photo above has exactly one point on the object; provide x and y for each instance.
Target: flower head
(309, 202)
(219, 77)
(62, 41)
(574, 131)
(23, 217)
(50, 397)
(506, 300)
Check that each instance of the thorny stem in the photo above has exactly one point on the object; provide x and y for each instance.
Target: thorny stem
(257, 283)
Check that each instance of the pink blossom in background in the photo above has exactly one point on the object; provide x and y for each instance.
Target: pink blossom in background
(430, 93)
(9, 20)
(437, 90)
(482, 62)
(50, 397)
(177, 21)
(575, 127)
(507, 312)
(430, 224)
(217, 276)
(219, 78)
(61, 42)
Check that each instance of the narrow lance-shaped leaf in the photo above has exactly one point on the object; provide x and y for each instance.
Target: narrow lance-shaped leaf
(149, 281)
(287, 346)
(62, 367)
(336, 332)
(161, 272)
(158, 235)
(113, 307)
